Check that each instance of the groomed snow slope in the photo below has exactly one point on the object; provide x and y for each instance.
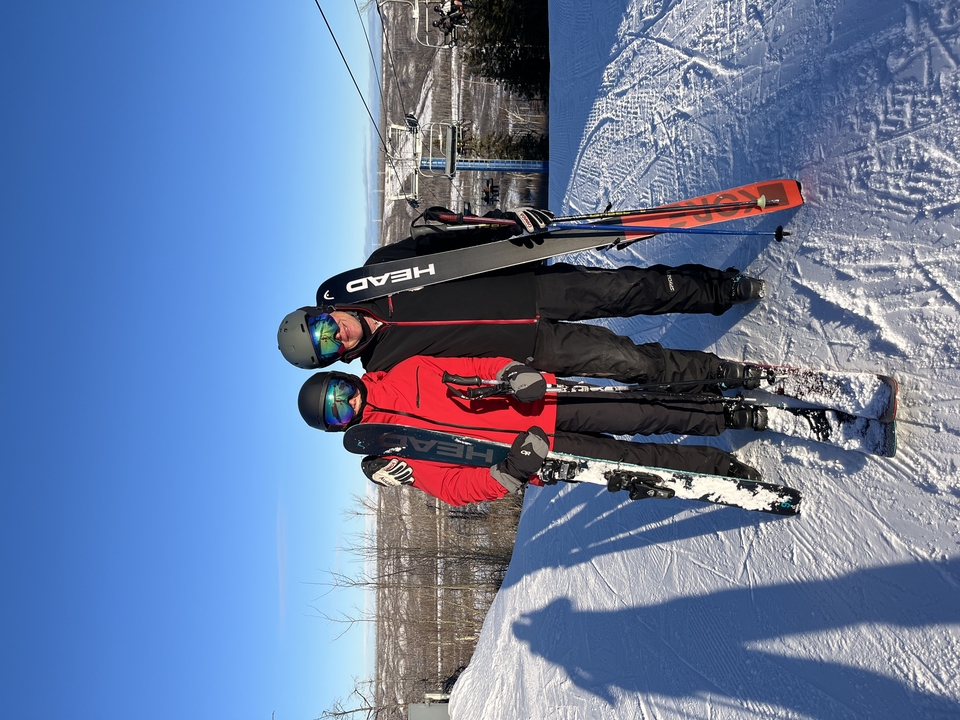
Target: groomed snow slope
(669, 609)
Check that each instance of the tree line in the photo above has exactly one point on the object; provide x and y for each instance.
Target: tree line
(508, 41)
(434, 571)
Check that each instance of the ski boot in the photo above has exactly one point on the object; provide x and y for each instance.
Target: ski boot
(640, 485)
(554, 471)
(737, 375)
(742, 471)
(746, 289)
(745, 417)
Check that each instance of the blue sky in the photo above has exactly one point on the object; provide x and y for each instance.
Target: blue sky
(176, 177)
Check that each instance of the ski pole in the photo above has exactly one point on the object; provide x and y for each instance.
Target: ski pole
(769, 376)
(761, 203)
(604, 228)
(665, 211)
(479, 388)
(598, 230)
(779, 234)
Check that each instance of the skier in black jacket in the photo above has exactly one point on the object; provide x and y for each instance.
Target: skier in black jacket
(524, 313)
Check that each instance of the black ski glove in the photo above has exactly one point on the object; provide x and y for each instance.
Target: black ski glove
(529, 220)
(526, 383)
(386, 471)
(526, 458)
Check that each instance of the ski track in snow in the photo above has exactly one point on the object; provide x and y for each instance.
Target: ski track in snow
(672, 609)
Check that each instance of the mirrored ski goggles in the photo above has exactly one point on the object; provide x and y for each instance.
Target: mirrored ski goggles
(323, 331)
(336, 407)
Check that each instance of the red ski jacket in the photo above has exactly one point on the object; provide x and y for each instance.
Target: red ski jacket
(413, 393)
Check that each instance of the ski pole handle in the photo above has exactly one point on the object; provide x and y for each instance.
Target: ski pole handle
(482, 388)
(449, 378)
(461, 219)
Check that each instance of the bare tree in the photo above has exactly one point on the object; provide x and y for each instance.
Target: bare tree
(433, 570)
(364, 705)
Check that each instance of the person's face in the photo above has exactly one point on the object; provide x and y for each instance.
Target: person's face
(350, 333)
(356, 402)
(342, 401)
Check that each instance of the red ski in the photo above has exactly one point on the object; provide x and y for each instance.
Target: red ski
(741, 202)
(373, 281)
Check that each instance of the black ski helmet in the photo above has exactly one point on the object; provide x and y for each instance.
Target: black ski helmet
(322, 399)
(294, 341)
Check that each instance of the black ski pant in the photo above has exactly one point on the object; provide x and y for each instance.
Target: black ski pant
(571, 292)
(582, 423)
(575, 292)
(689, 458)
(618, 416)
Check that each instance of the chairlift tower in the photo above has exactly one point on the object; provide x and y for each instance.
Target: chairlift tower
(442, 138)
(403, 162)
(432, 150)
(428, 150)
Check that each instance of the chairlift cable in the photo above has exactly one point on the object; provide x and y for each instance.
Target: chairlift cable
(373, 59)
(359, 92)
(393, 65)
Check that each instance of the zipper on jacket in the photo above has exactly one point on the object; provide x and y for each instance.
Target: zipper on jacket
(442, 425)
(357, 351)
(415, 323)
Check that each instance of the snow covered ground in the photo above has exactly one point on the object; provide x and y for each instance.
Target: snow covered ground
(675, 609)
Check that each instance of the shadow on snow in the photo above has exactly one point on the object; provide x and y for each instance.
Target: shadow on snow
(706, 646)
(583, 523)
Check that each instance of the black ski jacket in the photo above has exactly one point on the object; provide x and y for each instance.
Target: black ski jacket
(491, 315)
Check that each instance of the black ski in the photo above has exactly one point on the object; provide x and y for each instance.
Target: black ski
(863, 394)
(807, 404)
(640, 481)
(860, 394)
(373, 281)
(832, 427)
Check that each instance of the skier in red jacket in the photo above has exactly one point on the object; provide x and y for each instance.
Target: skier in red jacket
(413, 393)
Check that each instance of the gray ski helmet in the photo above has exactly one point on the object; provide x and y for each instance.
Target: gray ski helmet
(323, 400)
(294, 341)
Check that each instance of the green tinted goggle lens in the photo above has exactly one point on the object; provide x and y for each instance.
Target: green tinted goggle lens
(336, 402)
(323, 330)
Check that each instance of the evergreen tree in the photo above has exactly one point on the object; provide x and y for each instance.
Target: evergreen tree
(509, 41)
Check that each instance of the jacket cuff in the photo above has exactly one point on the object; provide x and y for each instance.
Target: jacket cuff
(512, 363)
(509, 482)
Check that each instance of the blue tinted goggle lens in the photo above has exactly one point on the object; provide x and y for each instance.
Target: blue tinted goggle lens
(336, 405)
(323, 329)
